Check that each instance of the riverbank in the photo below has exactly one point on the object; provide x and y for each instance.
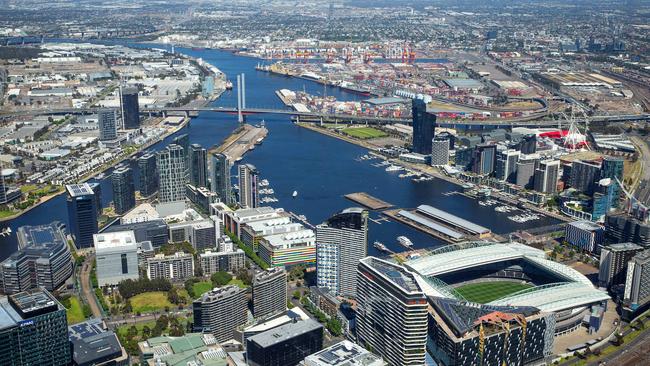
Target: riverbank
(101, 170)
(425, 169)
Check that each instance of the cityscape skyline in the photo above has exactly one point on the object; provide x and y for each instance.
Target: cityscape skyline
(369, 182)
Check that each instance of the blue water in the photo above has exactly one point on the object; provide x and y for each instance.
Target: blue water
(320, 168)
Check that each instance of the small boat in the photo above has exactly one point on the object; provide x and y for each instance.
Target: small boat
(394, 168)
(228, 85)
(380, 246)
(295, 194)
(404, 241)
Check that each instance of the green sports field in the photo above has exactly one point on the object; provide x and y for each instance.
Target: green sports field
(364, 133)
(485, 292)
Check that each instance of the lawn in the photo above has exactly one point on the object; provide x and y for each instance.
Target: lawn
(75, 314)
(7, 213)
(122, 330)
(489, 291)
(150, 301)
(202, 287)
(364, 133)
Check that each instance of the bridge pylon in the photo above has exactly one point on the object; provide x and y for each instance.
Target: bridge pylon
(241, 97)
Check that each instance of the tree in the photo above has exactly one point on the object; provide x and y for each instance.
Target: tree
(296, 295)
(244, 276)
(132, 332)
(146, 332)
(189, 286)
(173, 296)
(220, 278)
(157, 330)
(335, 327)
(162, 322)
(127, 307)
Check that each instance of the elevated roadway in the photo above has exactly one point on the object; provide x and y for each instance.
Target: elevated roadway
(533, 120)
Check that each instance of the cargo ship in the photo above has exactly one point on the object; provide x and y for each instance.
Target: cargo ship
(356, 90)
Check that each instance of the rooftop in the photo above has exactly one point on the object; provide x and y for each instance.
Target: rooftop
(623, 247)
(14, 309)
(393, 273)
(269, 273)
(431, 224)
(78, 190)
(251, 212)
(284, 333)
(586, 225)
(344, 353)
(42, 239)
(114, 240)
(92, 342)
(300, 236)
(452, 219)
(220, 293)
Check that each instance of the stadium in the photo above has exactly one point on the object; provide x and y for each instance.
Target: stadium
(507, 275)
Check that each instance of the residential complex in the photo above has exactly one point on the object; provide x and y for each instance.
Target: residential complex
(229, 261)
(170, 163)
(613, 263)
(123, 190)
(392, 312)
(176, 267)
(220, 311)
(248, 178)
(341, 242)
(298, 247)
(269, 293)
(148, 179)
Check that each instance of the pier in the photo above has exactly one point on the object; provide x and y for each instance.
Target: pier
(439, 224)
(241, 141)
(368, 201)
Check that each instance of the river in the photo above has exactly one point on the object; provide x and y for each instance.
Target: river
(322, 169)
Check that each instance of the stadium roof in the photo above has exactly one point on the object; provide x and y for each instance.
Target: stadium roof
(554, 297)
(575, 290)
(462, 316)
(456, 257)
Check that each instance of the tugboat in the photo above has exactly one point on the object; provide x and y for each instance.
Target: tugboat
(405, 242)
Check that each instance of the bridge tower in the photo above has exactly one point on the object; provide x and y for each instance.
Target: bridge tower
(241, 96)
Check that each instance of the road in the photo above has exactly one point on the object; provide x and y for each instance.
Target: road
(642, 189)
(637, 352)
(87, 288)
